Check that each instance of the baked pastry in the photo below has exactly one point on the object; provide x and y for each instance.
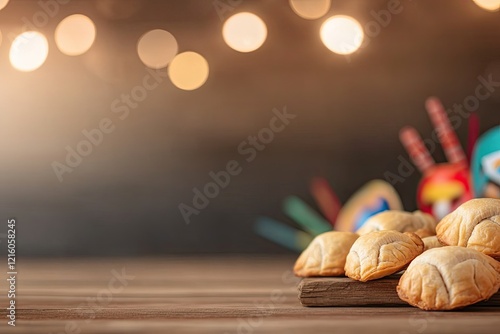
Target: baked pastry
(449, 277)
(325, 255)
(422, 224)
(381, 253)
(474, 224)
(431, 242)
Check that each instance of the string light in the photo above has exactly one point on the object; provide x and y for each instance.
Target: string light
(244, 32)
(342, 34)
(75, 35)
(28, 51)
(310, 9)
(188, 70)
(3, 3)
(489, 5)
(157, 48)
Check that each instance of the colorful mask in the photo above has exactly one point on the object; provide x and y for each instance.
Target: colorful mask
(485, 165)
(443, 187)
(374, 197)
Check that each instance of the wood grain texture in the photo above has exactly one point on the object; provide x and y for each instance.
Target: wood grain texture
(345, 292)
(202, 295)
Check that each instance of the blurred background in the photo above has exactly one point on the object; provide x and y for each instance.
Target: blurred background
(122, 196)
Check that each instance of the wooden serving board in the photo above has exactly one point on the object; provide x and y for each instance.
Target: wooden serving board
(343, 291)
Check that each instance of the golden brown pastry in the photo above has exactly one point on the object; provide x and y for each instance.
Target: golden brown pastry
(449, 277)
(431, 242)
(420, 223)
(325, 255)
(381, 253)
(474, 224)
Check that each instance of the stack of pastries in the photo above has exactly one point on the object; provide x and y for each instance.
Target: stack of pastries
(447, 265)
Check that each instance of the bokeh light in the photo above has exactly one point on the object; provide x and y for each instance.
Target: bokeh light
(244, 32)
(157, 48)
(28, 51)
(489, 5)
(342, 34)
(310, 9)
(3, 3)
(188, 70)
(75, 35)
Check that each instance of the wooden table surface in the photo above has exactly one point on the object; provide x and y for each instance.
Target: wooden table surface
(201, 295)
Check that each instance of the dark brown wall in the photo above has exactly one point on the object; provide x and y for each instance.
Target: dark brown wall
(124, 197)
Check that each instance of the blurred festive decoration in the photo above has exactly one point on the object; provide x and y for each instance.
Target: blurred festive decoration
(75, 35)
(188, 70)
(305, 216)
(157, 48)
(489, 5)
(28, 51)
(3, 3)
(443, 187)
(282, 234)
(326, 199)
(310, 9)
(342, 34)
(485, 165)
(473, 134)
(374, 197)
(244, 32)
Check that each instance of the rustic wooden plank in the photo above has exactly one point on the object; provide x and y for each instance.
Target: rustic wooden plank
(345, 292)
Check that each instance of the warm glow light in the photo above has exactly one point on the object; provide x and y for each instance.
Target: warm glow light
(3, 3)
(342, 34)
(310, 9)
(188, 70)
(28, 51)
(75, 35)
(490, 5)
(157, 48)
(244, 32)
